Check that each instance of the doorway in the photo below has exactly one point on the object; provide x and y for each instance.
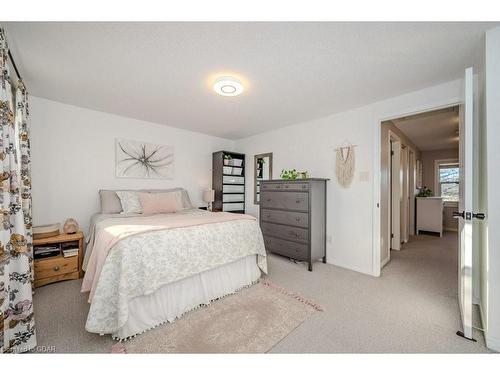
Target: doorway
(463, 226)
(418, 155)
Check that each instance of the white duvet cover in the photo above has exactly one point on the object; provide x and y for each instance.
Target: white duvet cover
(139, 265)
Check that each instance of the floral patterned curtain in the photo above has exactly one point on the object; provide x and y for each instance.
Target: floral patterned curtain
(17, 325)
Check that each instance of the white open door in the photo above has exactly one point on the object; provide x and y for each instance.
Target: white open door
(466, 210)
(395, 195)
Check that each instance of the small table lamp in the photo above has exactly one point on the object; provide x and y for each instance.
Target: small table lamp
(208, 197)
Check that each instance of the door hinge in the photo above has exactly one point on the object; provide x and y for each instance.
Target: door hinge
(392, 235)
(392, 153)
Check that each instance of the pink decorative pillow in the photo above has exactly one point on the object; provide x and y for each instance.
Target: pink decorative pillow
(161, 203)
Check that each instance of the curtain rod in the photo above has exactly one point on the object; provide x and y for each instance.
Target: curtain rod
(14, 65)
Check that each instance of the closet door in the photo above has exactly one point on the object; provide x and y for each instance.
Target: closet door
(404, 195)
(395, 195)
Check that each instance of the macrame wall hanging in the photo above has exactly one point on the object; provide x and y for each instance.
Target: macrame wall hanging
(345, 165)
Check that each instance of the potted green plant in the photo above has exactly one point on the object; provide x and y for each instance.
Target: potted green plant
(424, 192)
(227, 158)
(292, 174)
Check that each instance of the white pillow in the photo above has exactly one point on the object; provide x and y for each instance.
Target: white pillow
(130, 202)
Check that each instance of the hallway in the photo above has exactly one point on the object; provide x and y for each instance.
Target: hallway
(428, 263)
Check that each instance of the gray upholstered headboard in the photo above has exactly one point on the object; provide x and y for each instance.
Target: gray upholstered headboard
(110, 203)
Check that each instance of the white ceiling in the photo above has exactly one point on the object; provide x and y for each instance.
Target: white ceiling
(435, 130)
(162, 72)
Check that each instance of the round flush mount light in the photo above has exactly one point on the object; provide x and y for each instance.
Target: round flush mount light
(228, 86)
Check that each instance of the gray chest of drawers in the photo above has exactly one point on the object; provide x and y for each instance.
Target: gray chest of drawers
(293, 218)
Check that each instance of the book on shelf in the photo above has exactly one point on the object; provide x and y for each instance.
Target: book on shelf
(41, 249)
(70, 252)
(46, 251)
(46, 254)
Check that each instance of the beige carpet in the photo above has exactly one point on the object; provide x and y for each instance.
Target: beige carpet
(412, 307)
(251, 321)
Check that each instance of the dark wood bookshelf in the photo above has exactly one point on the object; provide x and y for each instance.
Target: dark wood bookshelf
(224, 163)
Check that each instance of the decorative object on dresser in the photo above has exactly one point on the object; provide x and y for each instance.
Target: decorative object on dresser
(293, 218)
(44, 231)
(208, 198)
(293, 174)
(58, 258)
(424, 192)
(430, 214)
(263, 170)
(228, 181)
(143, 160)
(71, 226)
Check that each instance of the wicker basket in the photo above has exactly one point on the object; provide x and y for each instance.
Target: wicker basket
(44, 231)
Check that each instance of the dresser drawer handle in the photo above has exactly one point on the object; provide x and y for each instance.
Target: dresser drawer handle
(56, 268)
(297, 219)
(278, 187)
(297, 201)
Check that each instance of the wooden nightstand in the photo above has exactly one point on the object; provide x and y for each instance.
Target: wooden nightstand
(57, 268)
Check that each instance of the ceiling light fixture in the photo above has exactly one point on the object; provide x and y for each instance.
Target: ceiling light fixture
(228, 86)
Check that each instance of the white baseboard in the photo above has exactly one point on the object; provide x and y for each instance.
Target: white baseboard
(492, 343)
(351, 268)
(481, 314)
(384, 262)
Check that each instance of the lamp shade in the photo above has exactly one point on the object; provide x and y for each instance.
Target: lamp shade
(208, 196)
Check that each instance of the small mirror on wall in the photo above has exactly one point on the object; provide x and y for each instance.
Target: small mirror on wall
(263, 170)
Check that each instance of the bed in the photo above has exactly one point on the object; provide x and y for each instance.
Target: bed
(146, 270)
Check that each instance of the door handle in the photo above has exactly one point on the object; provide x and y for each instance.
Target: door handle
(464, 215)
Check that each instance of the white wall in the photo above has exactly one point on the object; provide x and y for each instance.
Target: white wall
(310, 146)
(73, 157)
(491, 254)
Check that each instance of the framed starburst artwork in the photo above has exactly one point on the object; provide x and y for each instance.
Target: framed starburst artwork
(143, 160)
